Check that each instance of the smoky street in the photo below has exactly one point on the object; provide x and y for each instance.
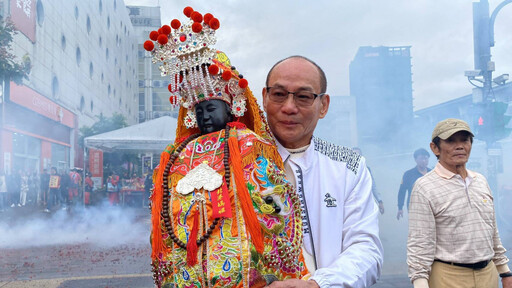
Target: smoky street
(93, 247)
(104, 246)
(108, 246)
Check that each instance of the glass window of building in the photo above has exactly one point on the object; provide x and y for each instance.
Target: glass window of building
(78, 56)
(55, 87)
(60, 157)
(63, 42)
(26, 151)
(82, 103)
(88, 24)
(40, 12)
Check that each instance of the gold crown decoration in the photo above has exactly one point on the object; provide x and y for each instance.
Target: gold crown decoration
(198, 72)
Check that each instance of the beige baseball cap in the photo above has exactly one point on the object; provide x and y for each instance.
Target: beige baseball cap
(446, 128)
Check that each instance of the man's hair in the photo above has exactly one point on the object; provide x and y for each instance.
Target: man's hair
(421, 152)
(323, 79)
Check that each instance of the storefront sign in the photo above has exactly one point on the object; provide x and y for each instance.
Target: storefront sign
(28, 98)
(23, 15)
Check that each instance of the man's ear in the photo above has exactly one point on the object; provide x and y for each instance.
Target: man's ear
(264, 96)
(434, 149)
(324, 102)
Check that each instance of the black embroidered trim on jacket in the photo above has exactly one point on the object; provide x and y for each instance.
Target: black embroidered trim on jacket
(338, 153)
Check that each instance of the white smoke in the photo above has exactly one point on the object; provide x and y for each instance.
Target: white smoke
(104, 226)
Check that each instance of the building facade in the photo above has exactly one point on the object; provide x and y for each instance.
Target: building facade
(83, 63)
(381, 83)
(153, 94)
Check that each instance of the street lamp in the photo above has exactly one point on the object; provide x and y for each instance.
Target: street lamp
(500, 80)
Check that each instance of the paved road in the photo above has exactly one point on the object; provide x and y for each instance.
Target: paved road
(109, 247)
(84, 248)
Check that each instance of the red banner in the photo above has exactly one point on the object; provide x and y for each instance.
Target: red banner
(23, 15)
(96, 162)
(221, 205)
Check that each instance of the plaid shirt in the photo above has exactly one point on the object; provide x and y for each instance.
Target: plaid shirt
(452, 219)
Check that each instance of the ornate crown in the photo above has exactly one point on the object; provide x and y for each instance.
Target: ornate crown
(198, 72)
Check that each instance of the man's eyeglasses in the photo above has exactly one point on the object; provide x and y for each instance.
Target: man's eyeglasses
(301, 98)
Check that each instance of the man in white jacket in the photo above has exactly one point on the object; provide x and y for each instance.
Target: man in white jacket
(341, 235)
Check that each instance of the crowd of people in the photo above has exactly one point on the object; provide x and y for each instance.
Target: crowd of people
(53, 189)
(47, 190)
(116, 185)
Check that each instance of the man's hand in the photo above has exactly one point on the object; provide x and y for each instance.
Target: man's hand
(295, 283)
(507, 282)
(400, 214)
(381, 207)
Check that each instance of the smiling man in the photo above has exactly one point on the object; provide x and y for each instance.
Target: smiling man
(341, 233)
(453, 239)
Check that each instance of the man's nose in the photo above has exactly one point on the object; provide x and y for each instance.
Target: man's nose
(459, 145)
(289, 104)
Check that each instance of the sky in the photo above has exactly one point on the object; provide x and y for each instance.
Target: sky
(256, 34)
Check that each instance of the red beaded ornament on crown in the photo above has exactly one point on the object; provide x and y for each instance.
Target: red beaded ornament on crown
(197, 72)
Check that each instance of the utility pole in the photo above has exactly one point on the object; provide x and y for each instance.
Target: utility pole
(483, 96)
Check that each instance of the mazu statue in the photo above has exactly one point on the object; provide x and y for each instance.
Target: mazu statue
(222, 212)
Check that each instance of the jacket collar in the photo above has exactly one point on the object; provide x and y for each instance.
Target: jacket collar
(305, 161)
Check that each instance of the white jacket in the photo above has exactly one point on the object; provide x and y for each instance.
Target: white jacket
(342, 214)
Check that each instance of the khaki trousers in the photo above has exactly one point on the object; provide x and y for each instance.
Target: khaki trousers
(450, 276)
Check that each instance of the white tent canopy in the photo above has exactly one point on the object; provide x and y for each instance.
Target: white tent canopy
(153, 135)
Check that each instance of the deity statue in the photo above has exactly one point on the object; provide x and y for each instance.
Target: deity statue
(223, 214)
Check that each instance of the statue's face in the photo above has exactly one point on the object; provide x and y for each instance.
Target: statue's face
(212, 115)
